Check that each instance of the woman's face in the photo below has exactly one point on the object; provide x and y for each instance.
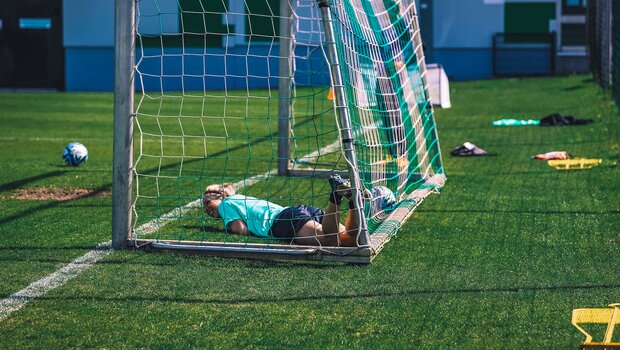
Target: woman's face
(211, 208)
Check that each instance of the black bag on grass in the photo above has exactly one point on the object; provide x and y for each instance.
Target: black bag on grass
(468, 149)
(556, 119)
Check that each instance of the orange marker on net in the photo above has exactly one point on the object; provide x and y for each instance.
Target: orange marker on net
(330, 95)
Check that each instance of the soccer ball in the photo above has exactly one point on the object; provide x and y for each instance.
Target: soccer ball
(75, 154)
(381, 201)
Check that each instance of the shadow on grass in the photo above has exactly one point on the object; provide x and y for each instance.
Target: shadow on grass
(107, 262)
(538, 144)
(61, 248)
(326, 297)
(545, 170)
(573, 88)
(27, 254)
(51, 204)
(25, 181)
(535, 212)
(205, 228)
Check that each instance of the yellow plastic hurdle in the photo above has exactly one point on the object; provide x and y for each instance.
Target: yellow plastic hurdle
(574, 164)
(610, 316)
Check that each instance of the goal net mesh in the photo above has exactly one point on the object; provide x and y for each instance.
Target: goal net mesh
(382, 67)
(207, 110)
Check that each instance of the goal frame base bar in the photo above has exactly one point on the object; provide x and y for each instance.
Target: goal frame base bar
(259, 251)
(318, 173)
(262, 251)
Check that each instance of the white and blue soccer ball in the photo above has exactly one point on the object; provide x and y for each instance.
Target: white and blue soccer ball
(75, 154)
(382, 201)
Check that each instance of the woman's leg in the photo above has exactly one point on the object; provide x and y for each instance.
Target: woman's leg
(348, 238)
(331, 219)
(347, 234)
(313, 233)
(331, 232)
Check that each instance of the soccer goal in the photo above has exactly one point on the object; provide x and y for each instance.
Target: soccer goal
(273, 97)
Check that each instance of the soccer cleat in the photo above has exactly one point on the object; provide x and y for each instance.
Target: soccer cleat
(340, 188)
(366, 194)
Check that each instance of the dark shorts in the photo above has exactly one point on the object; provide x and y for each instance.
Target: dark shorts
(292, 219)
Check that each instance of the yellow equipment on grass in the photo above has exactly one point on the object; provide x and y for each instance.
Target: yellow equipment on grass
(575, 163)
(610, 316)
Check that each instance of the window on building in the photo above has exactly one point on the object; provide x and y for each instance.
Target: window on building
(574, 7)
(528, 22)
(202, 22)
(574, 34)
(262, 23)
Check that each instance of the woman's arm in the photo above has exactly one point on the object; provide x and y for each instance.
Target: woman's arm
(238, 227)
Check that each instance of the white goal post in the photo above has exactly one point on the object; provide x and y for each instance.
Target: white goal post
(272, 96)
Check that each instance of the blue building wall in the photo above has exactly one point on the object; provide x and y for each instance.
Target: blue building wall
(89, 54)
(462, 43)
(92, 69)
(465, 63)
(462, 36)
(89, 68)
(223, 69)
(88, 37)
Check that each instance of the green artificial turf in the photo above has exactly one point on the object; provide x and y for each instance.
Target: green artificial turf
(498, 260)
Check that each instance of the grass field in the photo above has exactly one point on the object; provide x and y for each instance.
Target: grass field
(498, 260)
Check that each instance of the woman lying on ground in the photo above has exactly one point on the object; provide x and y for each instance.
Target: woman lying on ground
(306, 225)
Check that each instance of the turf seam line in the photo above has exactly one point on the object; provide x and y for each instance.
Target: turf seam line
(39, 288)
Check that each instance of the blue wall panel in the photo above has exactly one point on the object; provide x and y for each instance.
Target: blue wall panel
(524, 61)
(465, 64)
(466, 23)
(89, 69)
(232, 69)
(88, 23)
(188, 70)
(92, 69)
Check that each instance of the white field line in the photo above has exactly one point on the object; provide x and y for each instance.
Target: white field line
(36, 289)
(311, 157)
(39, 288)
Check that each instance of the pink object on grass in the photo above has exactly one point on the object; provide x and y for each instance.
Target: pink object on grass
(559, 155)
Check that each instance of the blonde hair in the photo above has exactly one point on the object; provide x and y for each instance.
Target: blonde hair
(218, 191)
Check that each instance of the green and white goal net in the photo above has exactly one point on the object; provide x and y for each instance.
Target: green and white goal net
(273, 97)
